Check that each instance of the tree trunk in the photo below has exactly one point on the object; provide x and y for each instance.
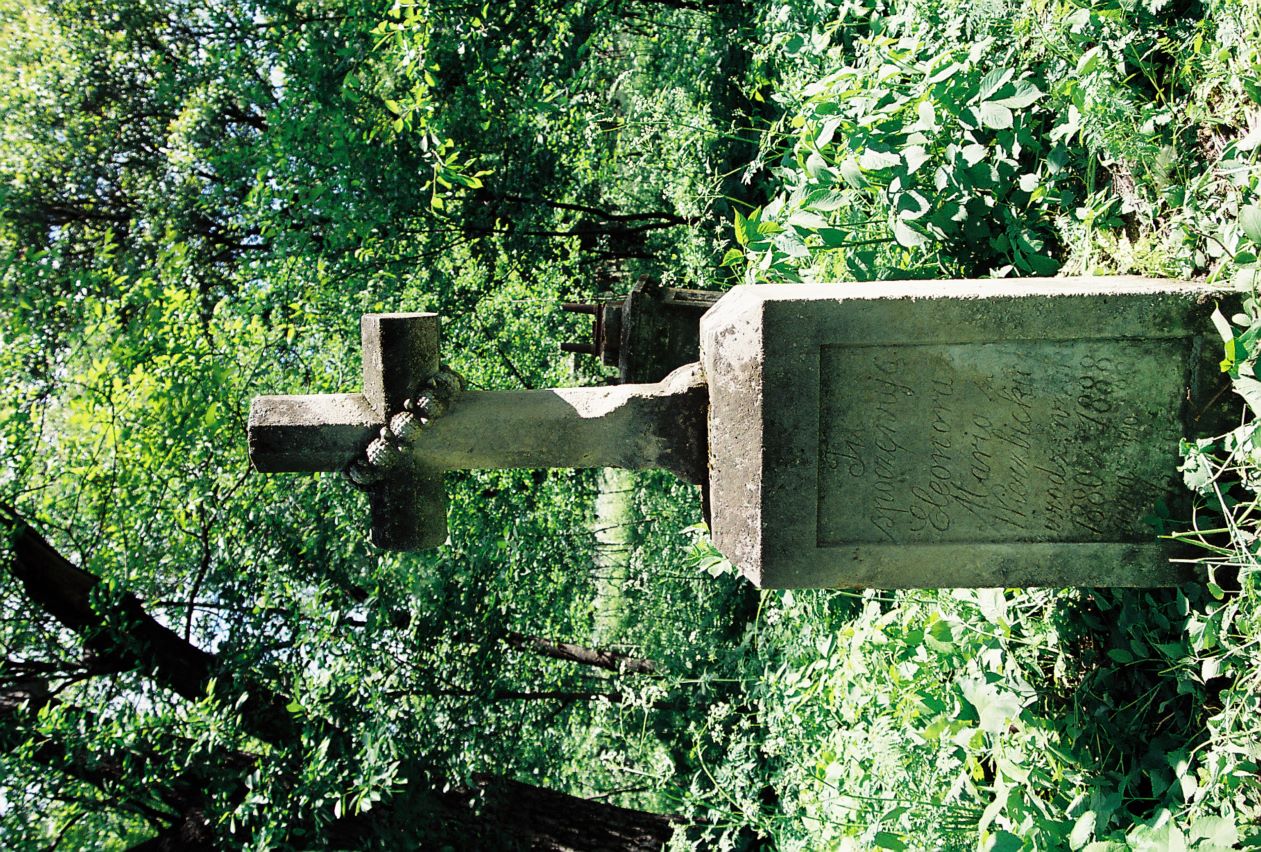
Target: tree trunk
(130, 638)
(542, 819)
(500, 814)
(191, 832)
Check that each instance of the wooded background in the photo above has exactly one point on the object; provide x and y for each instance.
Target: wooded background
(197, 202)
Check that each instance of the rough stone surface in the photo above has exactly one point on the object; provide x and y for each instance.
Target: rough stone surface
(326, 432)
(641, 426)
(937, 434)
(409, 509)
(309, 432)
(400, 352)
(660, 329)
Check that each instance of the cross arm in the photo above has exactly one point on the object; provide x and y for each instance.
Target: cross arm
(310, 432)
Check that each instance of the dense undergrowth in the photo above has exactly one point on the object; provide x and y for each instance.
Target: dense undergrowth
(938, 140)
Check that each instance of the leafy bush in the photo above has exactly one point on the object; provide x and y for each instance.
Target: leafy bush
(931, 140)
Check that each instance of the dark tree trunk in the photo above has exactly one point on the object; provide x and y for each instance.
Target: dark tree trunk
(191, 832)
(500, 814)
(508, 815)
(128, 638)
(538, 818)
(731, 106)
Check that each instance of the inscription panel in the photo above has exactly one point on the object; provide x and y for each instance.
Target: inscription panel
(1016, 441)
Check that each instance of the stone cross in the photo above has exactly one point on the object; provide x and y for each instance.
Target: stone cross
(887, 435)
(633, 426)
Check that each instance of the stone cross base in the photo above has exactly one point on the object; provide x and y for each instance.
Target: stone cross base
(966, 433)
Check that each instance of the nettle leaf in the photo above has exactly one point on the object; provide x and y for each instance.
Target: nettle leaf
(1197, 471)
(876, 160)
(943, 73)
(861, 264)
(1250, 390)
(816, 166)
(994, 81)
(826, 132)
(1216, 831)
(995, 706)
(807, 219)
(832, 237)
(852, 174)
(994, 115)
(742, 229)
(915, 157)
(888, 840)
(1247, 277)
(911, 205)
(1089, 60)
(1230, 360)
(927, 115)
(1222, 325)
(1068, 128)
(906, 235)
(973, 154)
(940, 637)
(1252, 140)
(825, 200)
(1024, 94)
(1250, 222)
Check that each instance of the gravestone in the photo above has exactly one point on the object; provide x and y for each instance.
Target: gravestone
(654, 331)
(900, 434)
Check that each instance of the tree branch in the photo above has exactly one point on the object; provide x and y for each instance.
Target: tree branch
(513, 815)
(598, 657)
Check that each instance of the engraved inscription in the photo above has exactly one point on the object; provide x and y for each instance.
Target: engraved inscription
(1042, 441)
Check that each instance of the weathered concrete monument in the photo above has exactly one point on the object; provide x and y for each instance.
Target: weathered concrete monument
(888, 435)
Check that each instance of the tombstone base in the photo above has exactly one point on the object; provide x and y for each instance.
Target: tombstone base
(942, 434)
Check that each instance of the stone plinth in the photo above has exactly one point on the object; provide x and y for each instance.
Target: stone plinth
(938, 434)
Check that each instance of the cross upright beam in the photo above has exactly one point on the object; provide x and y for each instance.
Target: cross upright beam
(659, 425)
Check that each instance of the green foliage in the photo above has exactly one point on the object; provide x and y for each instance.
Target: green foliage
(197, 202)
(984, 718)
(930, 140)
(919, 160)
(1004, 139)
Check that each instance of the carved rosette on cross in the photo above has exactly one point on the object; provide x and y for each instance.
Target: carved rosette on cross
(389, 450)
